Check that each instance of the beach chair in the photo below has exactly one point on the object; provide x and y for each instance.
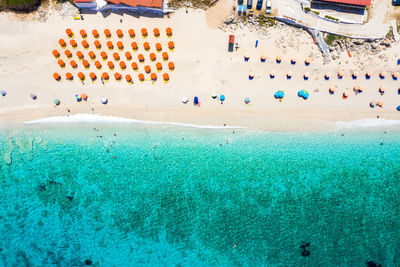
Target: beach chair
(240, 9)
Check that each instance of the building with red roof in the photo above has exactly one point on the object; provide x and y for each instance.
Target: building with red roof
(140, 6)
(348, 3)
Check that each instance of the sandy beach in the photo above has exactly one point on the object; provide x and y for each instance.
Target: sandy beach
(203, 66)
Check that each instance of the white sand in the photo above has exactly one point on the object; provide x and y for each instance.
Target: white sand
(203, 66)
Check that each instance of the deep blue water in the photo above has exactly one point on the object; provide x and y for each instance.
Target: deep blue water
(159, 195)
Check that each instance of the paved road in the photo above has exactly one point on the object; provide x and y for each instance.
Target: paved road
(375, 28)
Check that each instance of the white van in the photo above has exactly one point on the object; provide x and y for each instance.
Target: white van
(268, 7)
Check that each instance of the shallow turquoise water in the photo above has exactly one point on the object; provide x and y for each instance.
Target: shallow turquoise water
(158, 195)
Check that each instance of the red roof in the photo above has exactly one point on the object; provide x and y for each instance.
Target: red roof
(351, 2)
(82, 1)
(134, 3)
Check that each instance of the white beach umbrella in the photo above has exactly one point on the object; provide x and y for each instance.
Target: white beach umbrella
(327, 75)
(289, 73)
(104, 100)
(185, 100)
(383, 73)
(382, 89)
(272, 73)
(396, 75)
(341, 73)
(379, 103)
(332, 89)
(214, 95)
(369, 73)
(307, 74)
(346, 94)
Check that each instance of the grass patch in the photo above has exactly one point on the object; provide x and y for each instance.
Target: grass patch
(18, 3)
(331, 38)
(264, 21)
(331, 18)
(202, 4)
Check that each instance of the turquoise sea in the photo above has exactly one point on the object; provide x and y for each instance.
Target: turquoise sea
(158, 195)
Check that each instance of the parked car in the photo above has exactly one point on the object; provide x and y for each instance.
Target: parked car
(249, 4)
(396, 2)
(259, 4)
(268, 7)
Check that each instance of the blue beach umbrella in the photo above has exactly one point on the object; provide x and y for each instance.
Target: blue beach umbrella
(398, 108)
(279, 94)
(56, 101)
(196, 100)
(3, 93)
(304, 94)
(247, 100)
(222, 98)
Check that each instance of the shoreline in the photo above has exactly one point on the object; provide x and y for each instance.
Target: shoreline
(96, 119)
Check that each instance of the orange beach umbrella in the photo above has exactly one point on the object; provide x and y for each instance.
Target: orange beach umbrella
(92, 55)
(131, 33)
(119, 33)
(128, 78)
(110, 65)
(156, 32)
(69, 76)
(97, 44)
(95, 33)
(134, 45)
(83, 33)
(73, 43)
(62, 43)
(86, 64)
(171, 65)
(120, 45)
(107, 33)
(84, 96)
(166, 76)
(122, 65)
(146, 45)
(116, 56)
(158, 47)
(153, 76)
(141, 76)
(85, 44)
(171, 45)
(79, 54)
(103, 55)
(68, 53)
(56, 76)
(97, 64)
(159, 66)
(134, 66)
(169, 31)
(141, 57)
(152, 56)
(61, 63)
(105, 76)
(165, 55)
(73, 64)
(92, 76)
(81, 76)
(110, 45)
(144, 32)
(56, 54)
(69, 32)
(128, 56)
(117, 76)
(147, 69)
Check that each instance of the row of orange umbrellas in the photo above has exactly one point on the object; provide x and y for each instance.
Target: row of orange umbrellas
(110, 45)
(104, 55)
(105, 76)
(119, 33)
(111, 65)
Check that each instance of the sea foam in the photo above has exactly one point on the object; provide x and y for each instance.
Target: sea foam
(366, 123)
(92, 118)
